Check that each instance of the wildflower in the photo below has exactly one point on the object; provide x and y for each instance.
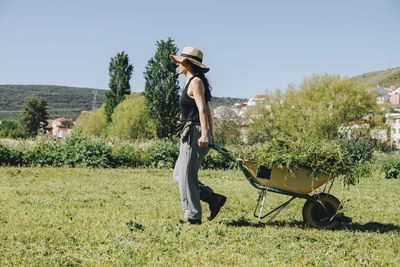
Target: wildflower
(373, 159)
(112, 143)
(141, 149)
(331, 132)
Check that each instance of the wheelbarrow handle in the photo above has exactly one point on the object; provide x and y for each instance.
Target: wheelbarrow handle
(222, 150)
(217, 147)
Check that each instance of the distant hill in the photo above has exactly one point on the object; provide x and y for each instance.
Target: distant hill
(226, 101)
(383, 78)
(66, 102)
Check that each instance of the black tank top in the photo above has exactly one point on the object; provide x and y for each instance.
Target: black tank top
(188, 106)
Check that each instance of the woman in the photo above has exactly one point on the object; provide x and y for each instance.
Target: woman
(195, 135)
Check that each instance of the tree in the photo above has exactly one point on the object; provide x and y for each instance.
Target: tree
(34, 116)
(10, 129)
(226, 126)
(120, 72)
(317, 109)
(161, 90)
(130, 119)
(93, 122)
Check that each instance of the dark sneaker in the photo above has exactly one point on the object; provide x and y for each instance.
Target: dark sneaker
(215, 201)
(192, 222)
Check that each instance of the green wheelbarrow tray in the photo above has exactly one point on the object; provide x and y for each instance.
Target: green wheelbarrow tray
(320, 211)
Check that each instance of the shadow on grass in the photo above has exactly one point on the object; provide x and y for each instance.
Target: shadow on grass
(374, 227)
(243, 222)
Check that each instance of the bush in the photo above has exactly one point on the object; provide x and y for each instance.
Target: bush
(127, 156)
(82, 151)
(363, 170)
(75, 151)
(318, 107)
(92, 123)
(5, 155)
(45, 153)
(382, 146)
(10, 129)
(163, 154)
(215, 160)
(389, 166)
(130, 119)
(356, 151)
(226, 127)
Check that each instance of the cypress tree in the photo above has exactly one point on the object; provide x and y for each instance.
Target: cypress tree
(120, 72)
(161, 90)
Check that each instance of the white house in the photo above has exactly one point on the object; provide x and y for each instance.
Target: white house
(59, 127)
(383, 95)
(393, 122)
(241, 108)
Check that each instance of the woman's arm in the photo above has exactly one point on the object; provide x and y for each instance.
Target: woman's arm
(197, 88)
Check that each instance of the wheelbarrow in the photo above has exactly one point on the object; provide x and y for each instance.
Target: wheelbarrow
(321, 210)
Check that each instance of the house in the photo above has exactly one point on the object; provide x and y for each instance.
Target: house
(393, 122)
(241, 108)
(255, 100)
(395, 101)
(383, 95)
(392, 90)
(59, 127)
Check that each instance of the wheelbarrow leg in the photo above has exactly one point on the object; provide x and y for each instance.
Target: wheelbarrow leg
(262, 199)
(275, 211)
(280, 208)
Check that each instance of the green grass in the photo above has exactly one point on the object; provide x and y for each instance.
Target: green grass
(384, 78)
(66, 216)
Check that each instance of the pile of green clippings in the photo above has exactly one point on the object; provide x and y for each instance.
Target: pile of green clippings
(335, 157)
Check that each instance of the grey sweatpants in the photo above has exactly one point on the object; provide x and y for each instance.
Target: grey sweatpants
(186, 173)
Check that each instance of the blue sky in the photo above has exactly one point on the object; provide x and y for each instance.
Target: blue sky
(250, 46)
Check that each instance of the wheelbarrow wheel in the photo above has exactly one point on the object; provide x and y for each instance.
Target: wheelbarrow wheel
(317, 217)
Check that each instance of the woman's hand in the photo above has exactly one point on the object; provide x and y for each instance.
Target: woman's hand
(203, 141)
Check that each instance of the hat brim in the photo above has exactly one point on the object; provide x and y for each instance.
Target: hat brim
(181, 59)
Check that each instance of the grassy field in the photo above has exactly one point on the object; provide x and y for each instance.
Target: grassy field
(64, 216)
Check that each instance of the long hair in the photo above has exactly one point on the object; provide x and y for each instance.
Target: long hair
(198, 72)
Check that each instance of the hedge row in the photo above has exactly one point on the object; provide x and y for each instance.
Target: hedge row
(80, 151)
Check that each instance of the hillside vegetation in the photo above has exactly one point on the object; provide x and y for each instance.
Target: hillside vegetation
(226, 101)
(383, 78)
(63, 101)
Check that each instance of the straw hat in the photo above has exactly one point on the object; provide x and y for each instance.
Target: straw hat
(192, 54)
